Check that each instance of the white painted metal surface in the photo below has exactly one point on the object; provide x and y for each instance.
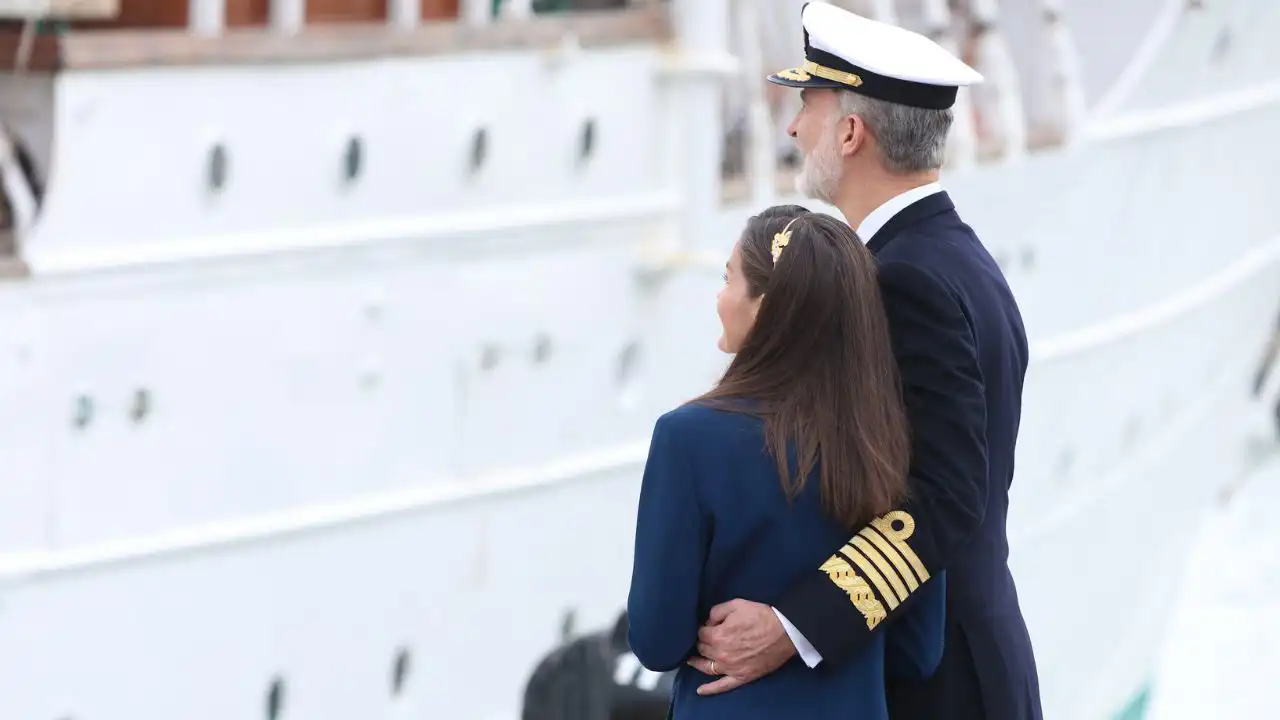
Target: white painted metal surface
(274, 433)
(1224, 667)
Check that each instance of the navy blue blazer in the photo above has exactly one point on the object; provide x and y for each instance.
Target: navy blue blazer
(962, 352)
(714, 524)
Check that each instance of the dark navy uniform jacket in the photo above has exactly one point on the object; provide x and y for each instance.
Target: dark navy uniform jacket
(714, 524)
(962, 351)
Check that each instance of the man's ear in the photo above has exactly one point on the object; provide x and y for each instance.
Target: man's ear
(853, 135)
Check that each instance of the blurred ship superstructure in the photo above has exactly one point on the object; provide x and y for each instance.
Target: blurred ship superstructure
(332, 332)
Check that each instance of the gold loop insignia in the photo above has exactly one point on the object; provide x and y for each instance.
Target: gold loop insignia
(898, 527)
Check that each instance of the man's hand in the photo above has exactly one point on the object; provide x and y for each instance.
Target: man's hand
(743, 641)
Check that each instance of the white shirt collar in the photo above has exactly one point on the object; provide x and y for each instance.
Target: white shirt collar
(883, 214)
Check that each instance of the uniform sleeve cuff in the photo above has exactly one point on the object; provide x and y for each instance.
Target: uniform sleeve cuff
(807, 652)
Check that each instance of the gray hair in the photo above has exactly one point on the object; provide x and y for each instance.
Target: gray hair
(911, 139)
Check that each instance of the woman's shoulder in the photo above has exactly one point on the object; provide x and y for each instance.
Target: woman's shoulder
(700, 420)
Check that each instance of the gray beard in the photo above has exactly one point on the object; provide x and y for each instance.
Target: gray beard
(819, 176)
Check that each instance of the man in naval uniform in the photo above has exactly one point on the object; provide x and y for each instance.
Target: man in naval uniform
(873, 126)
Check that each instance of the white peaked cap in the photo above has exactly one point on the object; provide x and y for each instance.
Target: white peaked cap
(847, 51)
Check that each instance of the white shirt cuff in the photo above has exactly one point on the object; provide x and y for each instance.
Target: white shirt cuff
(808, 653)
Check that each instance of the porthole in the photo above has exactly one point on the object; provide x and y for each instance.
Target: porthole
(1028, 258)
(352, 159)
(140, 406)
(82, 414)
(542, 349)
(217, 168)
(628, 375)
(568, 624)
(1221, 45)
(586, 141)
(479, 149)
(1062, 467)
(489, 357)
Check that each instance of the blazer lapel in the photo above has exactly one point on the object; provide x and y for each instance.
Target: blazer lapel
(922, 209)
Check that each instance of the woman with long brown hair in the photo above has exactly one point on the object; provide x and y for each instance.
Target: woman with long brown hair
(753, 484)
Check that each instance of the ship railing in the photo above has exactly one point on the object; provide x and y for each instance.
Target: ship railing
(20, 186)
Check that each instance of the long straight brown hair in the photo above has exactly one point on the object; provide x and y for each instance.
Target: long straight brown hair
(818, 367)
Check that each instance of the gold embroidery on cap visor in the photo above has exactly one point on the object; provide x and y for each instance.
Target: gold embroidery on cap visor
(793, 74)
(812, 69)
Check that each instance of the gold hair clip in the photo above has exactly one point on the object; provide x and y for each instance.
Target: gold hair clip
(781, 240)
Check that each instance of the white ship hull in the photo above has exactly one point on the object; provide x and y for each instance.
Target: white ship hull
(281, 445)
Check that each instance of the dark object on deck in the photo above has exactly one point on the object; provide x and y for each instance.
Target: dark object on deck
(1266, 364)
(1277, 414)
(577, 681)
(1270, 354)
